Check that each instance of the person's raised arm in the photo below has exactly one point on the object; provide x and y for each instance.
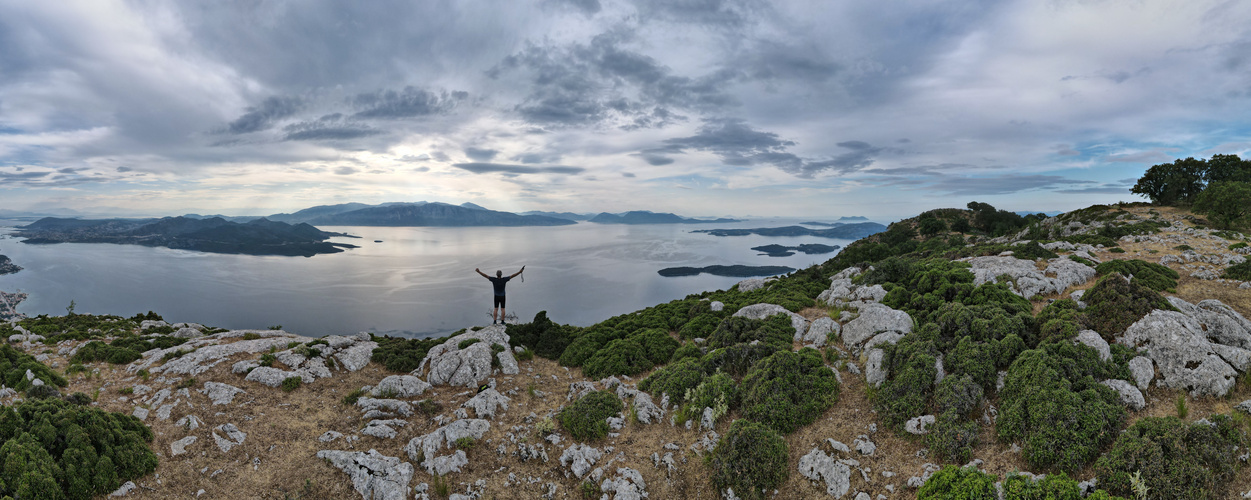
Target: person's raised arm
(523, 268)
(482, 273)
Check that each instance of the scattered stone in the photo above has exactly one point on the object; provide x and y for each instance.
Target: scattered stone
(180, 446)
(646, 410)
(919, 425)
(140, 413)
(1143, 371)
(818, 466)
(818, 332)
(863, 445)
(374, 475)
(124, 490)
(219, 393)
(383, 429)
(580, 458)
(330, 436)
(400, 386)
(385, 406)
(626, 485)
(234, 437)
(874, 372)
(485, 403)
(1095, 341)
(428, 445)
(838, 445)
(268, 375)
(189, 422)
(1130, 395)
(448, 463)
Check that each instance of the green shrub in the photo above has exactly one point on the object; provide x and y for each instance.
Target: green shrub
(1240, 244)
(789, 390)
(1116, 250)
(1081, 260)
(1240, 272)
(545, 337)
(1059, 320)
(958, 393)
(14, 364)
(687, 350)
(657, 344)
(352, 397)
(1061, 416)
(429, 407)
(674, 379)
(1114, 303)
(585, 418)
(54, 449)
(42, 392)
(619, 357)
(975, 360)
(953, 436)
(700, 326)
(399, 354)
(738, 359)
(910, 366)
(717, 391)
(464, 344)
(251, 336)
(526, 354)
(1148, 274)
(268, 360)
(958, 483)
(291, 383)
(750, 459)
(775, 330)
(99, 351)
(1056, 486)
(1176, 459)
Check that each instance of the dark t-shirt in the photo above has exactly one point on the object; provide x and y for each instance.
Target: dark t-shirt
(499, 284)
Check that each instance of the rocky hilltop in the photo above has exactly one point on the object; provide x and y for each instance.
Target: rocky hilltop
(1080, 355)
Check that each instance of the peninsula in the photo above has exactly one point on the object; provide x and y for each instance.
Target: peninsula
(646, 217)
(7, 266)
(216, 235)
(414, 214)
(846, 231)
(731, 271)
(785, 251)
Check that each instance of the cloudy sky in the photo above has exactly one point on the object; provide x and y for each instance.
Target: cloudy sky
(700, 107)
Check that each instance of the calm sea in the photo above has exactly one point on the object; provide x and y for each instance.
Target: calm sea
(418, 281)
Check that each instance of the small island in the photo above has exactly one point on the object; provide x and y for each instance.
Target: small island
(215, 235)
(785, 251)
(647, 217)
(7, 266)
(845, 231)
(736, 271)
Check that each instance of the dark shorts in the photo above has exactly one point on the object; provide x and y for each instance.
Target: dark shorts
(499, 301)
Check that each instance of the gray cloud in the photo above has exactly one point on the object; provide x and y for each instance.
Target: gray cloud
(481, 154)
(603, 82)
(710, 12)
(345, 170)
(932, 179)
(320, 131)
(124, 169)
(263, 115)
(588, 7)
(739, 144)
(407, 103)
(23, 176)
(482, 168)
(531, 158)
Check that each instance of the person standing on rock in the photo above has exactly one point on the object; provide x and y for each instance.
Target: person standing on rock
(498, 281)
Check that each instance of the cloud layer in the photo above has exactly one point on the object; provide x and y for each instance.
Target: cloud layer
(733, 107)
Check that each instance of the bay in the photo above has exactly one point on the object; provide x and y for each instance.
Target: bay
(418, 282)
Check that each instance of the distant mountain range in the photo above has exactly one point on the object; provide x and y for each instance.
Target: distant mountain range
(415, 214)
(645, 217)
(845, 231)
(256, 237)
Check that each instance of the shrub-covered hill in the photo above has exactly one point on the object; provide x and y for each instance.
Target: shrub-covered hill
(1019, 345)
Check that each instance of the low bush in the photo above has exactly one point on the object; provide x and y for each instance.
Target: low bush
(953, 436)
(1059, 320)
(1148, 274)
(789, 390)
(399, 354)
(718, 392)
(1056, 486)
(1176, 459)
(79, 326)
(910, 365)
(775, 330)
(657, 345)
(958, 393)
(55, 449)
(464, 344)
(291, 383)
(619, 357)
(15, 363)
(700, 326)
(1114, 303)
(738, 359)
(584, 419)
(1056, 410)
(1240, 272)
(687, 350)
(99, 351)
(959, 483)
(352, 397)
(750, 459)
(674, 379)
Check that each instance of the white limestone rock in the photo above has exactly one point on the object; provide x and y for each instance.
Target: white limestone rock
(400, 386)
(1130, 395)
(356, 356)
(445, 464)
(219, 393)
(234, 437)
(818, 332)
(383, 429)
(445, 437)
(450, 365)
(390, 406)
(626, 485)
(750, 284)
(1182, 352)
(874, 318)
(268, 375)
(1143, 371)
(646, 410)
(1095, 341)
(189, 422)
(374, 475)
(882, 338)
(580, 458)
(716, 306)
(485, 403)
(919, 425)
(818, 466)
(762, 311)
(874, 372)
(180, 446)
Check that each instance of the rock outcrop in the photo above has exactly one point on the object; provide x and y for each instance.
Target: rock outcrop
(374, 475)
(874, 318)
(449, 364)
(818, 466)
(762, 311)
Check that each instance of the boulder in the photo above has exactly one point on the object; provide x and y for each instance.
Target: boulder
(449, 364)
(234, 437)
(580, 458)
(646, 410)
(1238, 358)
(882, 338)
(818, 332)
(1059, 274)
(508, 363)
(400, 386)
(1180, 349)
(1224, 325)
(428, 445)
(750, 284)
(874, 318)
(356, 356)
(1143, 371)
(180, 446)
(716, 306)
(219, 393)
(874, 373)
(383, 429)
(485, 403)
(919, 425)
(440, 466)
(1130, 395)
(374, 475)
(388, 406)
(1095, 341)
(762, 311)
(270, 376)
(818, 466)
(626, 485)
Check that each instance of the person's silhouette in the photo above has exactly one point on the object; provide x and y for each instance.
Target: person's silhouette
(498, 281)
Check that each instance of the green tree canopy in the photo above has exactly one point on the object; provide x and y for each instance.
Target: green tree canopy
(1227, 203)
